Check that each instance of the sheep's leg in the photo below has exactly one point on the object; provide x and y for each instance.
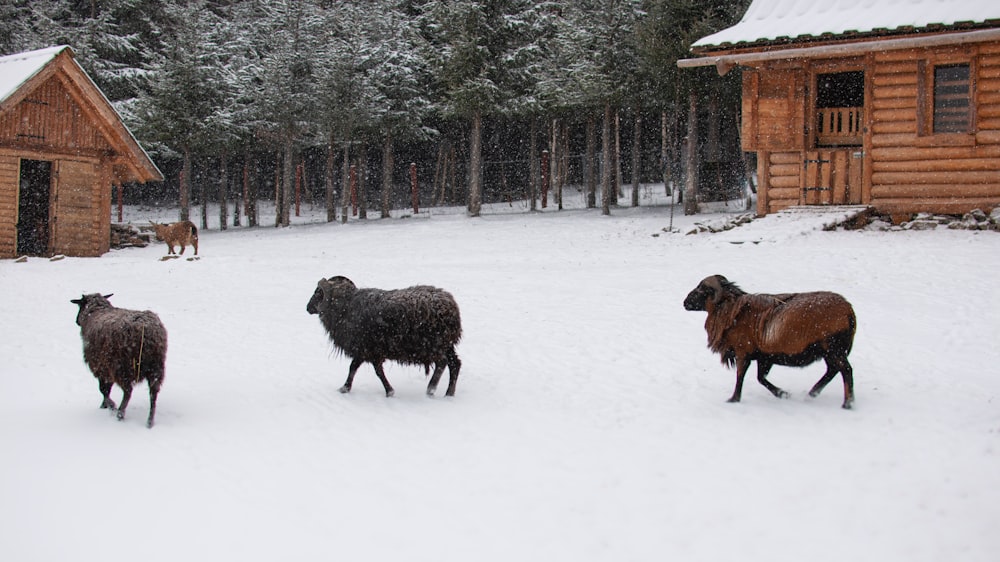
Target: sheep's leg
(381, 376)
(454, 366)
(742, 364)
(355, 363)
(154, 390)
(763, 368)
(126, 396)
(831, 371)
(438, 370)
(106, 392)
(847, 373)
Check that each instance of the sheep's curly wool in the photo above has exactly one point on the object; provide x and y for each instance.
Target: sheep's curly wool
(122, 347)
(418, 325)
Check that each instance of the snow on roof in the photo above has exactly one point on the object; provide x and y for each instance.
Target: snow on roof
(769, 20)
(17, 69)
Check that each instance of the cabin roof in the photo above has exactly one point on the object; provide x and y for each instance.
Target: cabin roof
(22, 73)
(770, 22)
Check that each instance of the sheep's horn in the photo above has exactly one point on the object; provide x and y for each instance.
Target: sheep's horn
(715, 283)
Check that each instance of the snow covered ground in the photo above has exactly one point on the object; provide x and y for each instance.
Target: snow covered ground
(590, 421)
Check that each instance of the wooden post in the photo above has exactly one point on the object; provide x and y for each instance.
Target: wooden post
(414, 192)
(120, 203)
(545, 178)
(354, 190)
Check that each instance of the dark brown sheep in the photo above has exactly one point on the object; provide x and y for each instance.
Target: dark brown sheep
(122, 347)
(415, 326)
(793, 329)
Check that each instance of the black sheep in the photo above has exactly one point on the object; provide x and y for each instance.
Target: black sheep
(122, 347)
(415, 326)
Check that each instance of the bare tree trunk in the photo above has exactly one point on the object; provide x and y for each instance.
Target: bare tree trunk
(331, 191)
(534, 166)
(563, 161)
(664, 153)
(278, 197)
(223, 189)
(589, 177)
(345, 196)
(363, 181)
(691, 158)
(204, 205)
(387, 165)
(185, 185)
(554, 149)
(618, 159)
(606, 161)
(475, 166)
(250, 192)
(636, 158)
(288, 183)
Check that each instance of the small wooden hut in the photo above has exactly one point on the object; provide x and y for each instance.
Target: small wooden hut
(893, 104)
(62, 147)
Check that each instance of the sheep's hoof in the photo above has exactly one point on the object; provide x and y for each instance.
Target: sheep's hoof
(390, 393)
(121, 415)
(733, 400)
(782, 394)
(848, 405)
(345, 389)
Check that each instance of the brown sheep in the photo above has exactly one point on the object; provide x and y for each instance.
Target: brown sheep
(183, 233)
(793, 329)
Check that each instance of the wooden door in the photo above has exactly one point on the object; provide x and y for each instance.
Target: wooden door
(832, 177)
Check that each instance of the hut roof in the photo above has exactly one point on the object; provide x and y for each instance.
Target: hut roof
(22, 73)
(770, 22)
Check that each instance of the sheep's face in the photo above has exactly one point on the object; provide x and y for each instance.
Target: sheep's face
(317, 302)
(329, 291)
(87, 302)
(708, 291)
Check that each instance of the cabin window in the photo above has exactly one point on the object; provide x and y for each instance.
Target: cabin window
(840, 100)
(952, 99)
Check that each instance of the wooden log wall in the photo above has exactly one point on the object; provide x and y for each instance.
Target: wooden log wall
(906, 167)
(9, 180)
(913, 172)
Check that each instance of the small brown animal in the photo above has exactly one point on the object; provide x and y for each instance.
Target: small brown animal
(793, 329)
(181, 233)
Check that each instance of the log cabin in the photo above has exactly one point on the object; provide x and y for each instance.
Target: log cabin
(893, 104)
(62, 148)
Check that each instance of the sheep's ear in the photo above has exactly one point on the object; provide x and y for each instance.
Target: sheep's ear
(77, 301)
(109, 295)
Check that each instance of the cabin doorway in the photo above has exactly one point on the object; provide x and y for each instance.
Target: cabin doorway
(34, 207)
(832, 169)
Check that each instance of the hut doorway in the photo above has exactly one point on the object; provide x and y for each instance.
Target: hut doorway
(832, 169)
(33, 207)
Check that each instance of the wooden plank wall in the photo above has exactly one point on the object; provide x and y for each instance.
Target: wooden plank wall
(913, 173)
(51, 118)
